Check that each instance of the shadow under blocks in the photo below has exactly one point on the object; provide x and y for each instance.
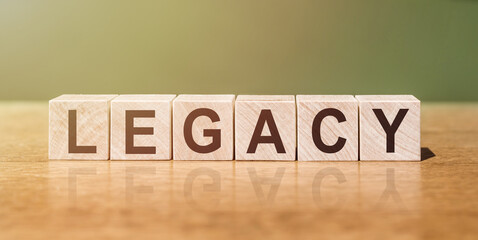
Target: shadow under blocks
(426, 153)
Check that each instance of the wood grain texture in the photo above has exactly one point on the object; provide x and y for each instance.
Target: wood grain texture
(62, 199)
(92, 120)
(308, 106)
(161, 123)
(223, 106)
(247, 111)
(373, 140)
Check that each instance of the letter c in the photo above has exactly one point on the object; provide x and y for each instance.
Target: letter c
(316, 130)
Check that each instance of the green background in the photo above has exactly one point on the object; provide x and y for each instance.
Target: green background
(428, 48)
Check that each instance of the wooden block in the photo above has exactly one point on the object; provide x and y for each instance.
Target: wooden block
(389, 127)
(203, 127)
(79, 127)
(265, 127)
(327, 127)
(141, 127)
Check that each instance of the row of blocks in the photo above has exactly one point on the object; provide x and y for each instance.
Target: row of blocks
(223, 127)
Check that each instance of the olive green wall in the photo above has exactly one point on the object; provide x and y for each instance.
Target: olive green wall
(428, 48)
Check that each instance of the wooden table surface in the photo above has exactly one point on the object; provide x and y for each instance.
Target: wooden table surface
(434, 198)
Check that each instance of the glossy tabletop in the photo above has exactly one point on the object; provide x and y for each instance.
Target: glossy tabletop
(437, 197)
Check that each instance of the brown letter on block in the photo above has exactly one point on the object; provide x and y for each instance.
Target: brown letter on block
(72, 147)
(214, 133)
(253, 112)
(266, 117)
(141, 127)
(203, 127)
(390, 130)
(327, 128)
(79, 127)
(316, 130)
(131, 131)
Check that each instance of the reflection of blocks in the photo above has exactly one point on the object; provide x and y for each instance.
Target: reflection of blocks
(141, 127)
(79, 127)
(75, 182)
(203, 185)
(389, 127)
(203, 127)
(141, 184)
(327, 127)
(328, 186)
(390, 187)
(265, 127)
(264, 185)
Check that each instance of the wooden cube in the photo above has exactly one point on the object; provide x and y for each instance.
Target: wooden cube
(265, 127)
(203, 127)
(327, 127)
(389, 127)
(79, 127)
(141, 127)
